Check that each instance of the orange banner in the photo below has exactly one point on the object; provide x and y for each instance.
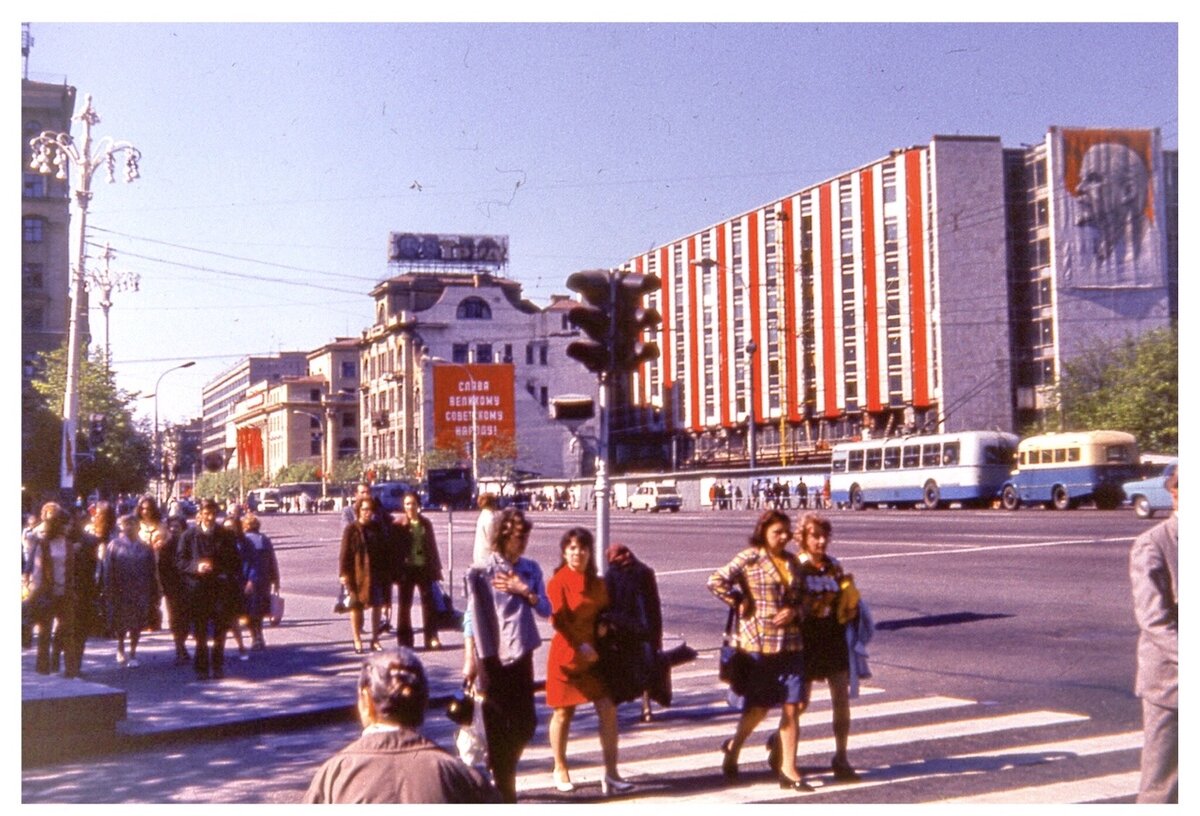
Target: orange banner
(473, 400)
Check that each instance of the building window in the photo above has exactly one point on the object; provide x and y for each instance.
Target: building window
(35, 185)
(348, 419)
(314, 395)
(545, 399)
(543, 354)
(529, 354)
(483, 353)
(33, 318)
(314, 447)
(508, 358)
(474, 308)
(32, 229)
(32, 276)
(460, 353)
(349, 369)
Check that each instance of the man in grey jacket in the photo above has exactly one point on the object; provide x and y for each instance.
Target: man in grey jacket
(1154, 573)
(392, 762)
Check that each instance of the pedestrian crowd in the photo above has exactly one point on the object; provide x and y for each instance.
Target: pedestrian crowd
(93, 573)
(768, 494)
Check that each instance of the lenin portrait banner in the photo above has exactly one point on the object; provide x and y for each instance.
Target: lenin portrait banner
(1109, 232)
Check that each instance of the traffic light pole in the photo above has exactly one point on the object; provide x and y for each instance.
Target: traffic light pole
(603, 488)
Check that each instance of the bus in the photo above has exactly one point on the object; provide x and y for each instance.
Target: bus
(1064, 470)
(968, 467)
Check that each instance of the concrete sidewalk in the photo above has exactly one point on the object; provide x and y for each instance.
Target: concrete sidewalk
(306, 676)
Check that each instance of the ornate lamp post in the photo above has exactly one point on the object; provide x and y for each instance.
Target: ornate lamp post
(106, 281)
(54, 152)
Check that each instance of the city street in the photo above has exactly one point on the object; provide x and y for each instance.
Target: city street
(1002, 670)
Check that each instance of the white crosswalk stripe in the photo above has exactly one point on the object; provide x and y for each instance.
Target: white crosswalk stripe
(682, 744)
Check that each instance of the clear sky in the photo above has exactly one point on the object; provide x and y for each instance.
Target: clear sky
(278, 157)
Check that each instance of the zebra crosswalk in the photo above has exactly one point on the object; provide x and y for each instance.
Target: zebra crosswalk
(907, 748)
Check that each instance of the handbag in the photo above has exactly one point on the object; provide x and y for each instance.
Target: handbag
(734, 665)
(445, 615)
(276, 608)
(342, 605)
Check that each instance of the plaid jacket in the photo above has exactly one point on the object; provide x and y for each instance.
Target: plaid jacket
(752, 572)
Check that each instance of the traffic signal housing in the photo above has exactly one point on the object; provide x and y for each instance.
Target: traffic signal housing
(594, 317)
(632, 320)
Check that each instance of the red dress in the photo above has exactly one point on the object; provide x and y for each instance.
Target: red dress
(573, 614)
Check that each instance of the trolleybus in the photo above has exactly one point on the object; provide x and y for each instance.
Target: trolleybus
(1064, 470)
(968, 467)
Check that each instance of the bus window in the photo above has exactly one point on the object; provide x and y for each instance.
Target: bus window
(912, 456)
(838, 465)
(997, 455)
(874, 458)
(931, 455)
(1047, 456)
(1116, 454)
(1060, 455)
(891, 458)
(950, 453)
(854, 460)
(1072, 454)
(1023, 458)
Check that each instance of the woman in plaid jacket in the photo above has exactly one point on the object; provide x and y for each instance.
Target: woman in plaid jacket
(763, 583)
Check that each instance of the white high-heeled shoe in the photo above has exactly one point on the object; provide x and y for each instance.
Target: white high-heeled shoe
(563, 785)
(611, 784)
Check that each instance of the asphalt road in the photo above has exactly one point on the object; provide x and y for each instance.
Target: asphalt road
(1022, 614)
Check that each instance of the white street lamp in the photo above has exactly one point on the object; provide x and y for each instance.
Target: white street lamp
(54, 152)
(158, 458)
(108, 281)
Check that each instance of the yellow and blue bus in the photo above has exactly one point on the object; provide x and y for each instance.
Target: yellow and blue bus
(1064, 470)
(969, 467)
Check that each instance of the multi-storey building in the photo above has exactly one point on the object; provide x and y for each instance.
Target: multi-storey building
(466, 323)
(45, 227)
(221, 394)
(939, 287)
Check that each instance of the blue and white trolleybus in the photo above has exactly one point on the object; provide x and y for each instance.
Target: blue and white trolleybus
(968, 467)
(1063, 470)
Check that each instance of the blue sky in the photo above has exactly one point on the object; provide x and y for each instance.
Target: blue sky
(278, 157)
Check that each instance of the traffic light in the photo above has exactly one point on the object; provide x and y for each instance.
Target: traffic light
(594, 317)
(633, 320)
(97, 425)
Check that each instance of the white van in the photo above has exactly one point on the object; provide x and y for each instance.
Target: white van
(654, 496)
(266, 499)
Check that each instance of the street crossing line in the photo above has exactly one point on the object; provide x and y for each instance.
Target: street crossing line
(673, 732)
(1111, 786)
(952, 766)
(824, 745)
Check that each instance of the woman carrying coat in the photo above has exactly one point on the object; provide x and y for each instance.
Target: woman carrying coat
(763, 584)
(366, 569)
(634, 619)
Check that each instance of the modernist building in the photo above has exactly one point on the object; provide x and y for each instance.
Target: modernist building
(939, 287)
(459, 360)
(45, 227)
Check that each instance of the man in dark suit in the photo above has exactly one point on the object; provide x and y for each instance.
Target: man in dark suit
(1154, 573)
(211, 568)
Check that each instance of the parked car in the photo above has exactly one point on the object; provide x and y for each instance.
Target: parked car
(655, 497)
(264, 500)
(1149, 495)
(390, 495)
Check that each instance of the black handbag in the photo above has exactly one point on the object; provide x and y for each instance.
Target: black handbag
(461, 708)
(342, 605)
(734, 665)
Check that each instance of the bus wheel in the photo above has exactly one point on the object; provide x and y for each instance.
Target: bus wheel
(856, 498)
(931, 496)
(1009, 498)
(1060, 498)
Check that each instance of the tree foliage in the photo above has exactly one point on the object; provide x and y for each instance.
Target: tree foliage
(1131, 385)
(120, 462)
(226, 484)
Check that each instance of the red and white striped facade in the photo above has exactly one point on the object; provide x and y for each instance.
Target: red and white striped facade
(836, 287)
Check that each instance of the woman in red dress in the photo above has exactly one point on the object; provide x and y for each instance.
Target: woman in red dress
(577, 596)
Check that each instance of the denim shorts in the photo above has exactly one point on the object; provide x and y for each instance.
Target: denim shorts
(775, 679)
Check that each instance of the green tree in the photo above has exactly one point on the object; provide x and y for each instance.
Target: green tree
(1131, 385)
(226, 484)
(297, 472)
(119, 462)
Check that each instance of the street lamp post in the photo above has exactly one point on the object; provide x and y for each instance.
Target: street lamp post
(54, 152)
(751, 444)
(158, 457)
(107, 281)
(325, 426)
